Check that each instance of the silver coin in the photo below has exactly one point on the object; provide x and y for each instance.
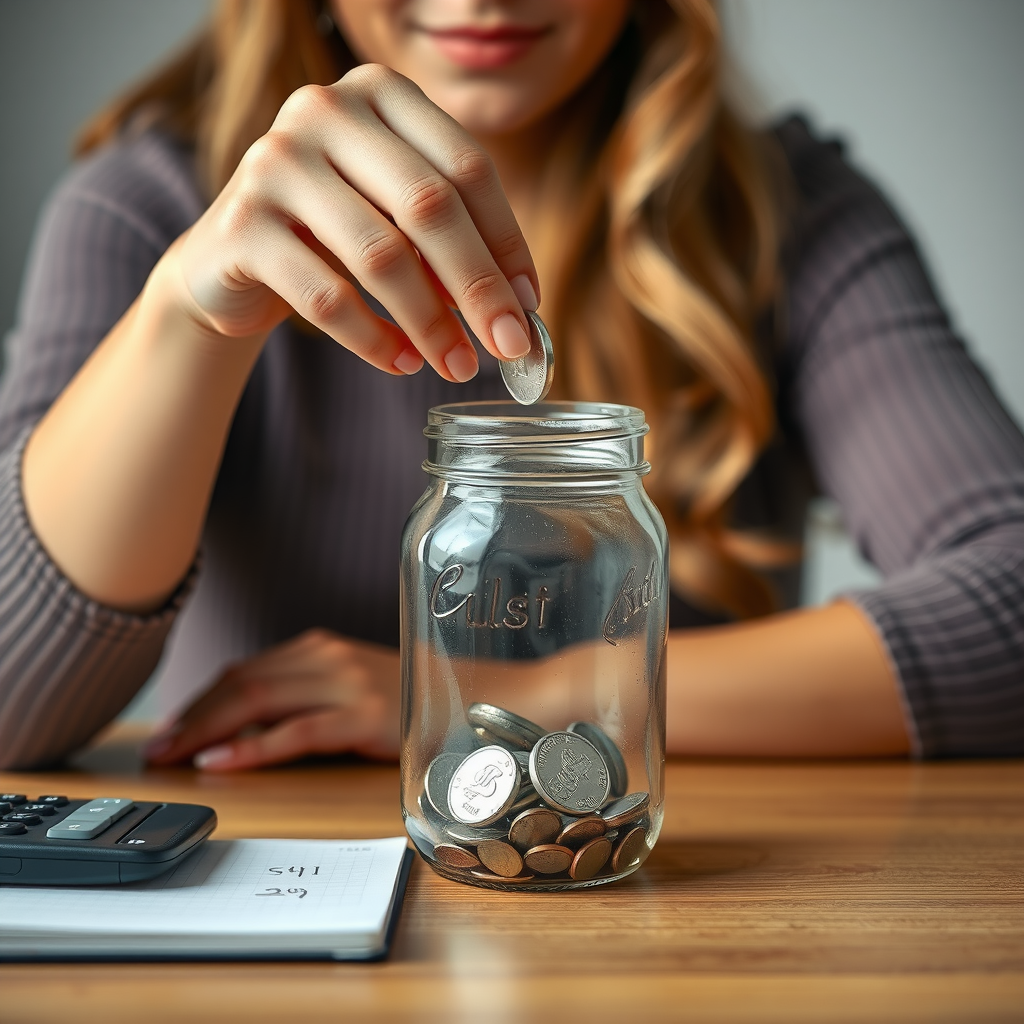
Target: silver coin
(484, 786)
(526, 798)
(529, 377)
(500, 726)
(432, 820)
(438, 778)
(461, 740)
(626, 810)
(618, 776)
(468, 835)
(424, 838)
(569, 773)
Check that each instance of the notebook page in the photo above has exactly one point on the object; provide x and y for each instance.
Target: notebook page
(234, 887)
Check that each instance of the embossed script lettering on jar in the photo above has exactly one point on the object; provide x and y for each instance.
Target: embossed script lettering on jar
(514, 614)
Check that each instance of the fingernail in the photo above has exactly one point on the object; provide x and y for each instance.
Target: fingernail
(461, 363)
(509, 337)
(213, 756)
(523, 287)
(409, 361)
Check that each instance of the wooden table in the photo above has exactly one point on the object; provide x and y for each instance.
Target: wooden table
(791, 892)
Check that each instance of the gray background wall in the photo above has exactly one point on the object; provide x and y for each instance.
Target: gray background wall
(929, 95)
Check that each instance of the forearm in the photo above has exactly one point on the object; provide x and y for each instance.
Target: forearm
(809, 683)
(118, 474)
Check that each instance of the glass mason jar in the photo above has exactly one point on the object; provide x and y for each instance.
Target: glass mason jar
(534, 623)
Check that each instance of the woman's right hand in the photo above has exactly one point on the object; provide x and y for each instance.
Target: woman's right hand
(365, 180)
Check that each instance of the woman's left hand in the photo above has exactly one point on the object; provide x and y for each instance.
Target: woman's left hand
(318, 693)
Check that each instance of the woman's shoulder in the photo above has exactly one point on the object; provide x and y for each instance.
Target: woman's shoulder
(146, 179)
(839, 223)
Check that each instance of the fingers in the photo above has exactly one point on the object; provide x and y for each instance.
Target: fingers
(455, 215)
(320, 732)
(328, 301)
(450, 149)
(242, 697)
(303, 678)
(387, 265)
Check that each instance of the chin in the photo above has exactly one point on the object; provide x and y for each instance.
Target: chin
(488, 110)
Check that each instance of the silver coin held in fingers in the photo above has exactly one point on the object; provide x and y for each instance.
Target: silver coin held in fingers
(529, 377)
(484, 786)
(569, 773)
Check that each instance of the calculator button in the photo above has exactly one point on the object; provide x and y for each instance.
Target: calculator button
(13, 798)
(5, 807)
(25, 819)
(53, 801)
(90, 819)
(44, 809)
(12, 828)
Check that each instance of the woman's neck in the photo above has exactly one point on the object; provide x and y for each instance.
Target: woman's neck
(521, 158)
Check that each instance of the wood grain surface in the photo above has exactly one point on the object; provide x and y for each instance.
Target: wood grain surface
(879, 891)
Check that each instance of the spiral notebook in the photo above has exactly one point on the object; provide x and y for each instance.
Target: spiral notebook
(239, 899)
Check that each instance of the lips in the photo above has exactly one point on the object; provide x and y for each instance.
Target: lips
(480, 48)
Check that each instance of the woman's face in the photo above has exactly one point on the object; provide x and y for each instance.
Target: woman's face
(497, 66)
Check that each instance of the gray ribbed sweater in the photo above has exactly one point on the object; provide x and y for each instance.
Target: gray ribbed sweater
(322, 466)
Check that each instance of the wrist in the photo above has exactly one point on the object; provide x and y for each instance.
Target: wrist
(166, 309)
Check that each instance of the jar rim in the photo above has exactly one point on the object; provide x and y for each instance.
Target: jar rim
(490, 423)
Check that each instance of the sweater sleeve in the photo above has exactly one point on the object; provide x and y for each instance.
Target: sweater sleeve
(906, 434)
(68, 665)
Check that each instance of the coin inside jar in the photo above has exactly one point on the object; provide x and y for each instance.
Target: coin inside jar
(467, 835)
(455, 856)
(581, 830)
(626, 809)
(569, 773)
(549, 859)
(484, 786)
(590, 859)
(629, 848)
(438, 778)
(499, 725)
(535, 827)
(529, 377)
(499, 857)
(618, 776)
(486, 876)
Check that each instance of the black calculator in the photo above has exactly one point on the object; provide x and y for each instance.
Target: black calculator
(56, 841)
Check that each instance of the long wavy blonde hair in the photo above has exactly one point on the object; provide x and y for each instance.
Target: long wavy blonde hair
(661, 254)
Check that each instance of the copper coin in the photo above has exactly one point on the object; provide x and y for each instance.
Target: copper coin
(455, 856)
(535, 827)
(486, 876)
(582, 830)
(630, 847)
(549, 859)
(590, 859)
(626, 809)
(499, 857)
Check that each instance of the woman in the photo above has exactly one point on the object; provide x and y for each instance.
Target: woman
(202, 356)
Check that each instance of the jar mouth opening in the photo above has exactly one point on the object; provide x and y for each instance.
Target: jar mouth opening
(508, 423)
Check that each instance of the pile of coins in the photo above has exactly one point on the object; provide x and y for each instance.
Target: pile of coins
(530, 805)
